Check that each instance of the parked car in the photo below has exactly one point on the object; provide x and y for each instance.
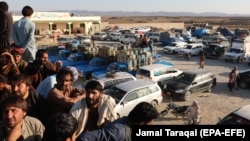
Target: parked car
(128, 39)
(115, 36)
(99, 36)
(83, 39)
(174, 47)
(215, 50)
(243, 80)
(155, 36)
(112, 79)
(190, 82)
(192, 49)
(160, 73)
(95, 64)
(128, 94)
(73, 59)
(63, 40)
(240, 116)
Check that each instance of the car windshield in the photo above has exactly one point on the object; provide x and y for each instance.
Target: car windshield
(116, 93)
(112, 67)
(95, 62)
(143, 72)
(71, 57)
(235, 50)
(189, 47)
(172, 45)
(234, 119)
(185, 78)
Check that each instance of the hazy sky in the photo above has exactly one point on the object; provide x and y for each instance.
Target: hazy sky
(197, 6)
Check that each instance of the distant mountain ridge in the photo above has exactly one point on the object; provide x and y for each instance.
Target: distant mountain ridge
(137, 13)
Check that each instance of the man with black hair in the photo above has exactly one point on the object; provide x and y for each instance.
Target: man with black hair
(6, 23)
(16, 125)
(60, 127)
(121, 129)
(23, 34)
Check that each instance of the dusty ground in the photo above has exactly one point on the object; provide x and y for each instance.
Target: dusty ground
(230, 22)
(216, 104)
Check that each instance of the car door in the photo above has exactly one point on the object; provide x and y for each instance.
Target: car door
(194, 88)
(128, 103)
(205, 82)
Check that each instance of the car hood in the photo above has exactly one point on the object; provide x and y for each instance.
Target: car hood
(176, 85)
(231, 53)
(169, 47)
(185, 50)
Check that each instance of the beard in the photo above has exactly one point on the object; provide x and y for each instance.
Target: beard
(92, 102)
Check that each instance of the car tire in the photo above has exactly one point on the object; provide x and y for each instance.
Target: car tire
(243, 85)
(154, 103)
(187, 96)
(210, 88)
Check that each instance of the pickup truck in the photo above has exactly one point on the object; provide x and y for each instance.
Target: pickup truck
(124, 67)
(69, 58)
(215, 50)
(95, 64)
(239, 51)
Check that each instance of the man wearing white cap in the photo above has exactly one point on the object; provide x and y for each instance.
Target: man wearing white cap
(95, 110)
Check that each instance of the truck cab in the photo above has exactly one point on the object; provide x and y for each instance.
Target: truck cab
(240, 50)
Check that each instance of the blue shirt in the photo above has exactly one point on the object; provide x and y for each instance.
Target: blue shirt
(115, 131)
(23, 34)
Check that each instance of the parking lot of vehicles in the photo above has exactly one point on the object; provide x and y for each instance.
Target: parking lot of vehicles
(128, 94)
(240, 116)
(190, 82)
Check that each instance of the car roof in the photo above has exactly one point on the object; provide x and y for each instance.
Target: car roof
(244, 112)
(155, 66)
(195, 44)
(197, 71)
(130, 85)
(118, 75)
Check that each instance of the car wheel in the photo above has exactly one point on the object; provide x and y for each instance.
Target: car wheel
(210, 88)
(187, 96)
(154, 103)
(243, 85)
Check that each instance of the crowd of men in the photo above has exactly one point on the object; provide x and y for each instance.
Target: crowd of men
(37, 98)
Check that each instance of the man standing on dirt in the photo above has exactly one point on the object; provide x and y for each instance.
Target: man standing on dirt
(23, 34)
(202, 60)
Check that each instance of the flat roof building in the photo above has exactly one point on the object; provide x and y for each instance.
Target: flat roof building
(56, 22)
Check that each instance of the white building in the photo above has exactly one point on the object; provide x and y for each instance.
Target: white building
(52, 22)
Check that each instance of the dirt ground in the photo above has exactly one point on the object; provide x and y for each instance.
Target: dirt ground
(216, 104)
(229, 22)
